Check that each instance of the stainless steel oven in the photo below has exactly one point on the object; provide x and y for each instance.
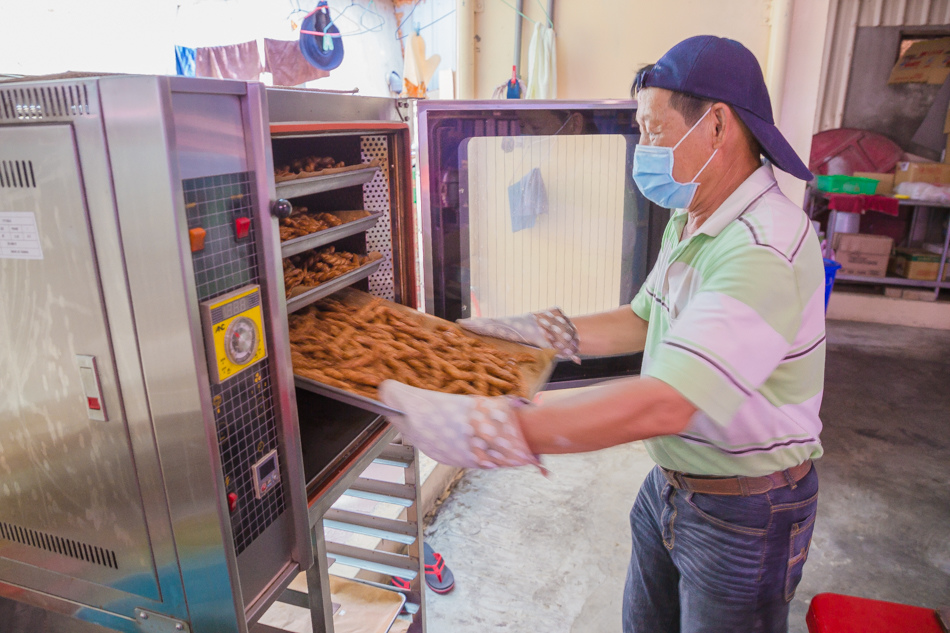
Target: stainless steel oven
(159, 469)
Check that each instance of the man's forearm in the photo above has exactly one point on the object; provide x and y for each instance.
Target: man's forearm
(619, 331)
(625, 411)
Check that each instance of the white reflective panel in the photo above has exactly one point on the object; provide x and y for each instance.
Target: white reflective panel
(561, 242)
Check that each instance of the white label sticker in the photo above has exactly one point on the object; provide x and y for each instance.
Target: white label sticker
(19, 238)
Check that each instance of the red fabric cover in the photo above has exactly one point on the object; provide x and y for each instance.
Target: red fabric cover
(863, 150)
(834, 613)
(856, 203)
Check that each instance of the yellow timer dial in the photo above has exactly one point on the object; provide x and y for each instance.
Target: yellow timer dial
(234, 332)
(240, 340)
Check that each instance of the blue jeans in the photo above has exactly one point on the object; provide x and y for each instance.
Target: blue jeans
(714, 563)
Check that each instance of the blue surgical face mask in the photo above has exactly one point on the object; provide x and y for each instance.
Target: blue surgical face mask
(653, 173)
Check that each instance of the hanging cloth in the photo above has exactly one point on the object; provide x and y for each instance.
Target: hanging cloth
(542, 64)
(418, 69)
(288, 65)
(236, 61)
(185, 61)
(528, 199)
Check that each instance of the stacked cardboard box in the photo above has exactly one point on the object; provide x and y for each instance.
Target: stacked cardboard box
(860, 254)
(915, 263)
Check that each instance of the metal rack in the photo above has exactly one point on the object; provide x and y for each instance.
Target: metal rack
(332, 234)
(387, 449)
(813, 195)
(379, 442)
(327, 182)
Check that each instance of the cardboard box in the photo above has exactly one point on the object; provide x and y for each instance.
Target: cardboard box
(915, 263)
(913, 294)
(933, 173)
(926, 62)
(885, 182)
(860, 254)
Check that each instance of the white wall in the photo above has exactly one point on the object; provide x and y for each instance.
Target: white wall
(138, 36)
(602, 43)
(437, 20)
(801, 81)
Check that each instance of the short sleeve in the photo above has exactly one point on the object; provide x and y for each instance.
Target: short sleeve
(733, 333)
(642, 304)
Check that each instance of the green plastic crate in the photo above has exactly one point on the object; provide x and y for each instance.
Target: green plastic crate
(847, 184)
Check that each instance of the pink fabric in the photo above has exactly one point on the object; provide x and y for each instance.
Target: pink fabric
(235, 61)
(288, 65)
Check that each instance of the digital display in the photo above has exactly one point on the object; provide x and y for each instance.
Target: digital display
(267, 468)
(236, 307)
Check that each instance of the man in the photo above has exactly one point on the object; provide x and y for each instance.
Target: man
(731, 321)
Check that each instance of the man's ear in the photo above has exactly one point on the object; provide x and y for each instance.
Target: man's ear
(721, 116)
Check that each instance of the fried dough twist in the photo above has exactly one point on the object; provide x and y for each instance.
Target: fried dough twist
(315, 267)
(356, 350)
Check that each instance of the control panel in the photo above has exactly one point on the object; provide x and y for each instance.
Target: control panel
(234, 332)
(266, 473)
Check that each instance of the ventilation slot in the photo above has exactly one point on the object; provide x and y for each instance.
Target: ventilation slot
(44, 102)
(17, 174)
(58, 545)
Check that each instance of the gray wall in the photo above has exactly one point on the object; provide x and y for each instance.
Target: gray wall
(895, 111)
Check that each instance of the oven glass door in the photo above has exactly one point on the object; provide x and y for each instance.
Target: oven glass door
(528, 205)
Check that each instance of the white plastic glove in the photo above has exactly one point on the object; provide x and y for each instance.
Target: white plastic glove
(464, 431)
(550, 329)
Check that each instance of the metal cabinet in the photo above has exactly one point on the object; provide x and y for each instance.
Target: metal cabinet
(159, 470)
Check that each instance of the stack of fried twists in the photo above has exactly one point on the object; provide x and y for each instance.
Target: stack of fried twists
(310, 165)
(315, 267)
(301, 222)
(356, 349)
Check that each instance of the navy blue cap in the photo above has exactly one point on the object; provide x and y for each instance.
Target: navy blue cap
(724, 70)
(311, 46)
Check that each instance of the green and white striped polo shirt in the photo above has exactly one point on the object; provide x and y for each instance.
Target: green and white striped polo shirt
(737, 325)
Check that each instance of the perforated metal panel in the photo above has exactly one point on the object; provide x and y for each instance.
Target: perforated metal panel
(244, 407)
(376, 197)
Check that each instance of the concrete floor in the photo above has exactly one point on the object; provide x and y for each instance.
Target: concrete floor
(536, 554)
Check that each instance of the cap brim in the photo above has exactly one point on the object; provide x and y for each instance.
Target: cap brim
(774, 145)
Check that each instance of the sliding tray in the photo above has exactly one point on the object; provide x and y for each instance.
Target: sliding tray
(327, 288)
(332, 234)
(346, 177)
(536, 372)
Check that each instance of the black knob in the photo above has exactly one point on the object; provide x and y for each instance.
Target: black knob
(282, 208)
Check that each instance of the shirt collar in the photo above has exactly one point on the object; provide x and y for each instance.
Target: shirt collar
(760, 181)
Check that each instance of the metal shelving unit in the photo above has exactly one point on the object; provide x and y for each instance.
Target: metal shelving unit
(332, 234)
(937, 285)
(328, 182)
(327, 288)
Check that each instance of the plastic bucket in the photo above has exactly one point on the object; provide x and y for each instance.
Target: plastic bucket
(831, 270)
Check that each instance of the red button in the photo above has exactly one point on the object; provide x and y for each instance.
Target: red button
(242, 226)
(232, 501)
(93, 403)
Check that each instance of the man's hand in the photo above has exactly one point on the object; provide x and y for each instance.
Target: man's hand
(549, 329)
(465, 431)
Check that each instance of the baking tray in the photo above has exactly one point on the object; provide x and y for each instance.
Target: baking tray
(536, 373)
(327, 288)
(332, 234)
(357, 175)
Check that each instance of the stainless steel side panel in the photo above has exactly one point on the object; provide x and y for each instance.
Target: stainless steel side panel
(70, 500)
(287, 105)
(150, 205)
